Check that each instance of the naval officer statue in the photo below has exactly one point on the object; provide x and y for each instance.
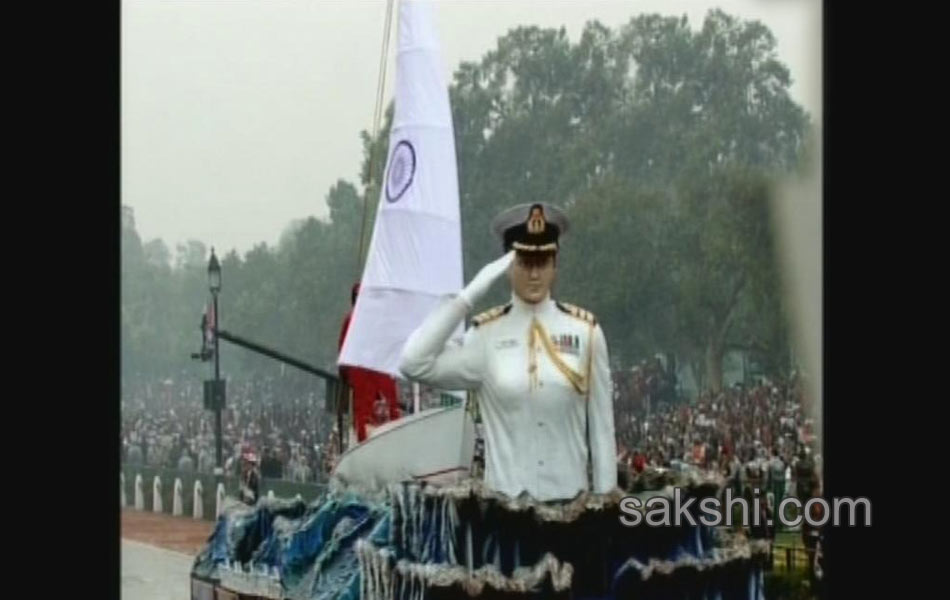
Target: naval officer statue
(539, 368)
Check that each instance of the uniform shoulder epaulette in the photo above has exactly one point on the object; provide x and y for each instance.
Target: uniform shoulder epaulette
(490, 315)
(577, 312)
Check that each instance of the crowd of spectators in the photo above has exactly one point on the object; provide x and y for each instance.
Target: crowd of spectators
(282, 421)
(757, 434)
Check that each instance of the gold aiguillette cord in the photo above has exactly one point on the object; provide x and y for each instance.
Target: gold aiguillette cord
(577, 380)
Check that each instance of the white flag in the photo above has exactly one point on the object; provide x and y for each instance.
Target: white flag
(415, 256)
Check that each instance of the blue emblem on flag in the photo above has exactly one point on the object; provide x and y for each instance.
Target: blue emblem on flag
(402, 166)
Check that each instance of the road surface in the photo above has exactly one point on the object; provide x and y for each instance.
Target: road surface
(154, 573)
(157, 554)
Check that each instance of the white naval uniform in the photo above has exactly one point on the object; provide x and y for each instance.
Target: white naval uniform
(535, 437)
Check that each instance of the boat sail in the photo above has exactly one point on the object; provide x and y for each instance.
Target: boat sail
(414, 262)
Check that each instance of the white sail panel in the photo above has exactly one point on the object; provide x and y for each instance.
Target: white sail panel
(415, 254)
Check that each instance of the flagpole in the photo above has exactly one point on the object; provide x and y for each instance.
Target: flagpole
(217, 378)
(377, 116)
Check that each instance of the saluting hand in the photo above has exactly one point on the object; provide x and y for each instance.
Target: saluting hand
(483, 281)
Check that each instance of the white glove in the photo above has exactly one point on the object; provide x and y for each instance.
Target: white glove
(482, 282)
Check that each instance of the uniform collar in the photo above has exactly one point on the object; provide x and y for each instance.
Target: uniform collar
(519, 306)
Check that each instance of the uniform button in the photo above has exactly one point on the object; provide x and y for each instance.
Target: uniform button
(540, 424)
(540, 463)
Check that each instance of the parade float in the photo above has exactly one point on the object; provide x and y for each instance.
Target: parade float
(405, 517)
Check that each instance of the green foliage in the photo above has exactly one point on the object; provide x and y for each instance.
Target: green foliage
(661, 142)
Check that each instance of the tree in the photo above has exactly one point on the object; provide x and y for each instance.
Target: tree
(157, 254)
(192, 254)
(527, 119)
(613, 259)
(722, 258)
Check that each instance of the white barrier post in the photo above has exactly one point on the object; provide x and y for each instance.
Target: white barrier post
(177, 499)
(122, 500)
(270, 494)
(219, 501)
(157, 494)
(198, 508)
(139, 493)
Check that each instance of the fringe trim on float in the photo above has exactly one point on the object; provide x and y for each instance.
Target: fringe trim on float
(255, 581)
(381, 580)
(651, 480)
(755, 549)
(524, 579)
(406, 503)
(424, 526)
(376, 571)
(424, 530)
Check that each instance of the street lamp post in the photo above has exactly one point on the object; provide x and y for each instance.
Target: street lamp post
(214, 284)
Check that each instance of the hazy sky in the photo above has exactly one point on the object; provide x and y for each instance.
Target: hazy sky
(238, 115)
